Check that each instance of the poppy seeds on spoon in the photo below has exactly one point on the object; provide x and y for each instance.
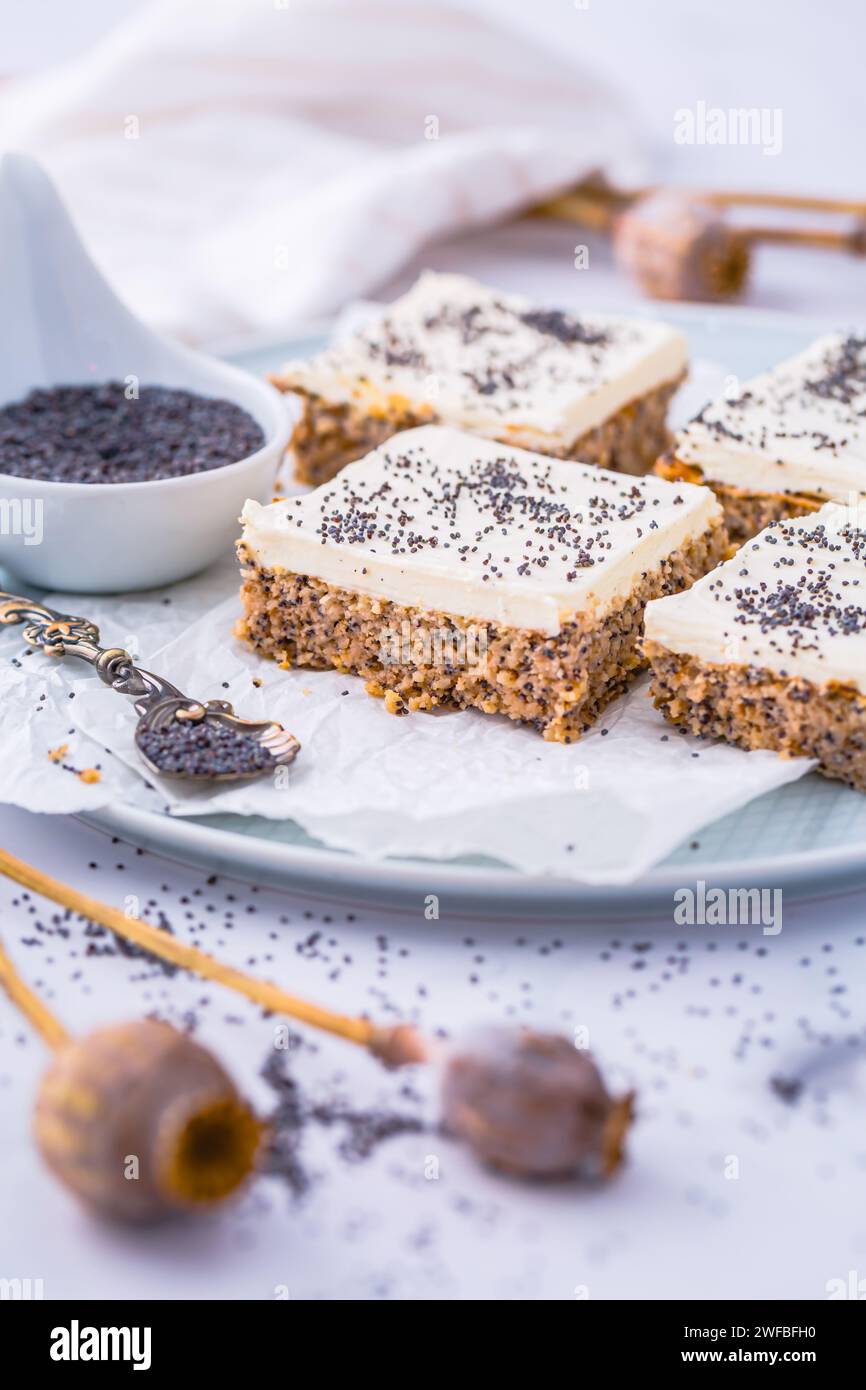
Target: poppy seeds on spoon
(203, 748)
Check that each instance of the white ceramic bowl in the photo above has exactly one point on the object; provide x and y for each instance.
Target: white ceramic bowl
(63, 325)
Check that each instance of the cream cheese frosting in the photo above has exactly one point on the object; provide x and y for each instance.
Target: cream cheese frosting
(441, 520)
(798, 428)
(493, 364)
(792, 601)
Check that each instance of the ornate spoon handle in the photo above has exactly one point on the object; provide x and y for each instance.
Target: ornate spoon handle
(224, 754)
(61, 634)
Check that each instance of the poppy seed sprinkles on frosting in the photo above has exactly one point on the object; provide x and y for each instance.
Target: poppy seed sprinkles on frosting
(532, 510)
(589, 386)
(440, 516)
(769, 650)
(818, 399)
(843, 374)
(814, 602)
(762, 414)
(787, 441)
(451, 570)
(491, 355)
(792, 600)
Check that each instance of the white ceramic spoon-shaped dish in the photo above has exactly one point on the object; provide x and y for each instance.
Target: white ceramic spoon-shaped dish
(63, 325)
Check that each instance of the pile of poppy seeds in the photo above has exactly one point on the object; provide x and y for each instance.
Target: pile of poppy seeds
(102, 434)
(362, 1130)
(203, 748)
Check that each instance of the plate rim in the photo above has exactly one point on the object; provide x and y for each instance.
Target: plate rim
(390, 881)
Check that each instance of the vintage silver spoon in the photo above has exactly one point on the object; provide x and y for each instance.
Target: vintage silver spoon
(176, 736)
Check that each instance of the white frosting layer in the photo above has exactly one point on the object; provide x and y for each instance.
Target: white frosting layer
(441, 520)
(492, 364)
(798, 428)
(793, 601)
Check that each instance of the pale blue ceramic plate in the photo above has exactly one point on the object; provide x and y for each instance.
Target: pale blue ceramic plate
(808, 838)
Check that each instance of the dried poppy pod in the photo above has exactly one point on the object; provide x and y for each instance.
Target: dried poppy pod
(141, 1122)
(679, 248)
(534, 1105)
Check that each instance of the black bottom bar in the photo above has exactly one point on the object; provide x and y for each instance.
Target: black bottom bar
(125, 1337)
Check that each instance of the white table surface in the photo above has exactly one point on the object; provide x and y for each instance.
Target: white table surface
(697, 1019)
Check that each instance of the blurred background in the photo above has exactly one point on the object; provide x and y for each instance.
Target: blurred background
(238, 166)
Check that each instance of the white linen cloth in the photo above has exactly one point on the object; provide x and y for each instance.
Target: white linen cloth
(235, 167)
